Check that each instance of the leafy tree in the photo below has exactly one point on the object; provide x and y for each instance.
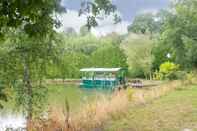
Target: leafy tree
(84, 51)
(84, 30)
(29, 44)
(96, 9)
(160, 52)
(22, 58)
(34, 16)
(180, 33)
(82, 44)
(109, 56)
(70, 31)
(138, 49)
(69, 65)
(149, 22)
(145, 23)
(23, 66)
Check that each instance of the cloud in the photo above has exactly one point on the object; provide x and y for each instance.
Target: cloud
(150, 10)
(71, 19)
(106, 26)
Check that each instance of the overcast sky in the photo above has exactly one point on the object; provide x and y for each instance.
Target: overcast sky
(128, 9)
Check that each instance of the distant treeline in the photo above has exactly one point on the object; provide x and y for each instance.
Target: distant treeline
(86, 51)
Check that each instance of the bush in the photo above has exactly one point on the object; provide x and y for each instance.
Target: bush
(157, 75)
(181, 75)
(190, 78)
(167, 70)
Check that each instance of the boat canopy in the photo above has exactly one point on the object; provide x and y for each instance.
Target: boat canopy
(100, 69)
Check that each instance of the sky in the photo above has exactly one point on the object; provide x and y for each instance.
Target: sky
(127, 9)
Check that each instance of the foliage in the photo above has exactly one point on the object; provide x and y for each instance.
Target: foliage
(39, 17)
(168, 67)
(148, 23)
(30, 44)
(38, 98)
(190, 78)
(70, 31)
(3, 96)
(97, 9)
(109, 56)
(84, 31)
(160, 52)
(23, 67)
(138, 50)
(34, 16)
(167, 70)
(86, 51)
(179, 34)
(157, 75)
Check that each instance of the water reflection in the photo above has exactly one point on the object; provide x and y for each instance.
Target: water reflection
(11, 122)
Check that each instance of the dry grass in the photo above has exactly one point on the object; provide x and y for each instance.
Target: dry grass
(174, 112)
(95, 114)
(89, 117)
(145, 95)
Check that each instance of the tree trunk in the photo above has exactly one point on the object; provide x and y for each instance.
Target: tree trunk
(28, 86)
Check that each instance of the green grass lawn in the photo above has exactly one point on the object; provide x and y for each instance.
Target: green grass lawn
(176, 111)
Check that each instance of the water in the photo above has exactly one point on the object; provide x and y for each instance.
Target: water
(57, 95)
(12, 122)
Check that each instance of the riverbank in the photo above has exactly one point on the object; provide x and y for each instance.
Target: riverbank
(95, 115)
(86, 111)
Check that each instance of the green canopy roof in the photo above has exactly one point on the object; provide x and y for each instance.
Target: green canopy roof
(100, 69)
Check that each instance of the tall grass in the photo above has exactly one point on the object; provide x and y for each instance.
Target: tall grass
(91, 116)
(94, 114)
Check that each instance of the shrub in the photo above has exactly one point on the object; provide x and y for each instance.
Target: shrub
(157, 75)
(167, 70)
(190, 78)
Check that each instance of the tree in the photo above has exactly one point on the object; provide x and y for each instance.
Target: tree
(160, 52)
(96, 9)
(86, 51)
(29, 43)
(23, 66)
(34, 16)
(138, 49)
(144, 23)
(149, 22)
(180, 33)
(24, 24)
(70, 31)
(109, 56)
(84, 30)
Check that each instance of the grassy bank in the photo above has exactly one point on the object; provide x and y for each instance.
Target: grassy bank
(177, 111)
(95, 114)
